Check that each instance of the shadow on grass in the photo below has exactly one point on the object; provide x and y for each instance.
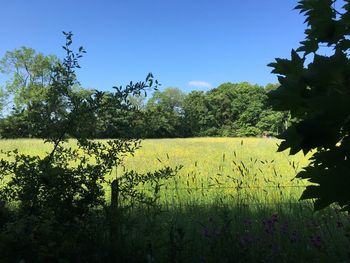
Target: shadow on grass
(191, 233)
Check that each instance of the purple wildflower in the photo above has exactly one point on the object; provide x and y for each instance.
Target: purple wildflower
(206, 232)
(294, 237)
(247, 223)
(316, 241)
(284, 228)
(339, 224)
(269, 224)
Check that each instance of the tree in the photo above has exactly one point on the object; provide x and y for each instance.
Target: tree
(56, 199)
(240, 109)
(3, 98)
(30, 75)
(235, 109)
(113, 121)
(29, 88)
(271, 86)
(164, 113)
(272, 122)
(195, 113)
(318, 98)
(138, 102)
(249, 104)
(170, 99)
(220, 111)
(16, 125)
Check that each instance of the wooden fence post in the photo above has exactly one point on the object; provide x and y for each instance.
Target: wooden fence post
(114, 194)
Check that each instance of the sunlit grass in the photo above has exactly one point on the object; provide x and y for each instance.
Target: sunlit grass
(233, 195)
(247, 170)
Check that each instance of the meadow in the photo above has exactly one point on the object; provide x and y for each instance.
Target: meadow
(231, 169)
(234, 200)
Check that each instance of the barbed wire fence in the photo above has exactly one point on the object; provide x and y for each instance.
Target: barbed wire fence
(241, 195)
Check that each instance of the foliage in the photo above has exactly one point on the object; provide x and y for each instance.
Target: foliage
(3, 97)
(163, 113)
(16, 125)
(231, 109)
(238, 110)
(195, 113)
(170, 99)
(30, 75)
(53, 198)
(229, 202)
(317, 96)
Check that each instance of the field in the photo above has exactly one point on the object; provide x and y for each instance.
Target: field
(230, 169)
(234, 200)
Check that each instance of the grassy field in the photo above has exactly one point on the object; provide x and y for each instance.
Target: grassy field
(244, 169)
(223, 168)
(234, 200)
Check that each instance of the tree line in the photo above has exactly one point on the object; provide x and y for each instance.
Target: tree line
(231, 109)
(53, 203)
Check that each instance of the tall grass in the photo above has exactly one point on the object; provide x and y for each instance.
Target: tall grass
(248, 170)
(234, 200)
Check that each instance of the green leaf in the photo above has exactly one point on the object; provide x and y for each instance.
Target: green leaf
(311, 191)
(291, 139)
(308, 46)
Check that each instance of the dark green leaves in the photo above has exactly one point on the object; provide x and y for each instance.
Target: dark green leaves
(318, 98)
(288, 67)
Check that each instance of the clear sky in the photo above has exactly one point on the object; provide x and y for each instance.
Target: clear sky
(190, 44)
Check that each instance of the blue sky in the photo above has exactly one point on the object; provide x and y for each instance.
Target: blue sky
(190, 44)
